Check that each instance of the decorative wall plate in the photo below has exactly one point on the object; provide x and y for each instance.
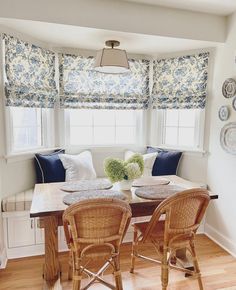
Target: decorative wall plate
(234, 104)
(228, 138)
(223, 113)
(229, 88)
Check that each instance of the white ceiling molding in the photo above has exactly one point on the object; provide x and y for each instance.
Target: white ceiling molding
(120, 16)
(219, 7)
(71, 38)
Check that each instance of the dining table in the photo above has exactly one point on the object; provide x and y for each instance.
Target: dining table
(48, 206)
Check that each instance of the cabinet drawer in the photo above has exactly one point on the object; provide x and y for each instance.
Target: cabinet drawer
(21, 231)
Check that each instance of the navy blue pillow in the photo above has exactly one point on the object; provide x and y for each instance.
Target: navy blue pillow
(166, 162)
(49, 167)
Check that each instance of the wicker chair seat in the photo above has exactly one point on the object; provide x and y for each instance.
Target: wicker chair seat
(176, 241)
(158, 232)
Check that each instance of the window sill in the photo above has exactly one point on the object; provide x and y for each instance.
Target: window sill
(102, 148)
(185, 150)
(26, 155)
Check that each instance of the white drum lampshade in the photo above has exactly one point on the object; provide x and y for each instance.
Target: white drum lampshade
(111, 60)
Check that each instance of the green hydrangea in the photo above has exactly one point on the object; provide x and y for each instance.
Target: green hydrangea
(137, 158)
(132, 171)
(114, 169)
(118, 170)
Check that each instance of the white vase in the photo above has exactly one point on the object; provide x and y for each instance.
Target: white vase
(125, 184)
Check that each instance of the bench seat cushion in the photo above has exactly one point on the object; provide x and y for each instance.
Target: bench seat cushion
(18, 202)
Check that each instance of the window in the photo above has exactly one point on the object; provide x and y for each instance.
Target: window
(102, 127)
(29, 128)
(182, 128)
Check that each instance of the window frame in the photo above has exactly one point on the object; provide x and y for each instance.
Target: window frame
(198, 132)
(140, 132)
(47, 132)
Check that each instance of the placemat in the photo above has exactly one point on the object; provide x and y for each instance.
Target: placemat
(150, 180)
(94, 184)
(89, 194)
(159, 192)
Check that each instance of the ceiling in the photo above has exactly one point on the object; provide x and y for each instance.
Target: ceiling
(59, 35)
(220, 7)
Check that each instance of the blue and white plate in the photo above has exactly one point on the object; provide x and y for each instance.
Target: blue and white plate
(223, 113)
(229, 88)
(234, 104)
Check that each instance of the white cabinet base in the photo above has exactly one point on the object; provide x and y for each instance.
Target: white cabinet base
(23, 238)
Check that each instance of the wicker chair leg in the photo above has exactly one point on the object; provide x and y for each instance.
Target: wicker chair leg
(70, 268)
(77, 273)
(117, 273)
(133, 254)
(77, 280)
(196, 265)
(164, 270)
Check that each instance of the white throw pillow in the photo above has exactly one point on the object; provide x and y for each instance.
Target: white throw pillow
(78, 167)
(148, 159)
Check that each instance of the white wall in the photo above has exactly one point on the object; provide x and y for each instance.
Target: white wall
(1, 164)
(221, 172)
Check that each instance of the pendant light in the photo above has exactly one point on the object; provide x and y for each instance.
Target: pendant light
(111, 60)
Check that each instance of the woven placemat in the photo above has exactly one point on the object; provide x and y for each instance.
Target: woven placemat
(89, 194)
(159, 192)
(150, 181)
(94, 184)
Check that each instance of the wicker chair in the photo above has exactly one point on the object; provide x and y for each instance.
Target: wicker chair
(173, 227)
(94, 230)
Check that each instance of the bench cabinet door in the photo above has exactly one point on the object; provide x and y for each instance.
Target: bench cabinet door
(21, 231)
(39, 233)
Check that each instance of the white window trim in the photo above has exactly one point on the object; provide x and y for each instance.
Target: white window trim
(48, 134)
(199, 133)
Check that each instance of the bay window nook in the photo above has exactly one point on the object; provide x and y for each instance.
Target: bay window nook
(117, 142)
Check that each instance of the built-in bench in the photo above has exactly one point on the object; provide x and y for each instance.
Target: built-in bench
(18, 202)
(22, 235)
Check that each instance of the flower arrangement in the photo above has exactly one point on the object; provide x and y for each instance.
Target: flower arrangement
(118, 170)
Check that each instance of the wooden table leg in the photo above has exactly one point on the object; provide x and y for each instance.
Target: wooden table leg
(51, 266)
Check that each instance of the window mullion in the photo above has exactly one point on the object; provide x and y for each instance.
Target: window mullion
(115, 127)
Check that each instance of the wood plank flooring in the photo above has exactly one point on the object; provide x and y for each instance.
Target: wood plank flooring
(217, 266)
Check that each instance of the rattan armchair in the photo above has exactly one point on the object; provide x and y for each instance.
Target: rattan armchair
(172, 227)
(94, 230)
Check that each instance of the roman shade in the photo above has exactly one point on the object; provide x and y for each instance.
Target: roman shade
(180, 82)
(82, 87)
(29, 74)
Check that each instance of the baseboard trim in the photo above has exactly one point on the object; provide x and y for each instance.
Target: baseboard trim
(220, 239)
(3, 259)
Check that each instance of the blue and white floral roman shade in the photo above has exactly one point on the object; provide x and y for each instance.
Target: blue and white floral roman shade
(29, 74)
(181, 82)
(82, 87)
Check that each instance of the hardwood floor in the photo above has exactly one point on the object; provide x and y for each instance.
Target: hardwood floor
(217, 266)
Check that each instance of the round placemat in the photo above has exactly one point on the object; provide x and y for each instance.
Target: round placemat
(89, 194)
(94, 184)
(159, 192)
(150, 180)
